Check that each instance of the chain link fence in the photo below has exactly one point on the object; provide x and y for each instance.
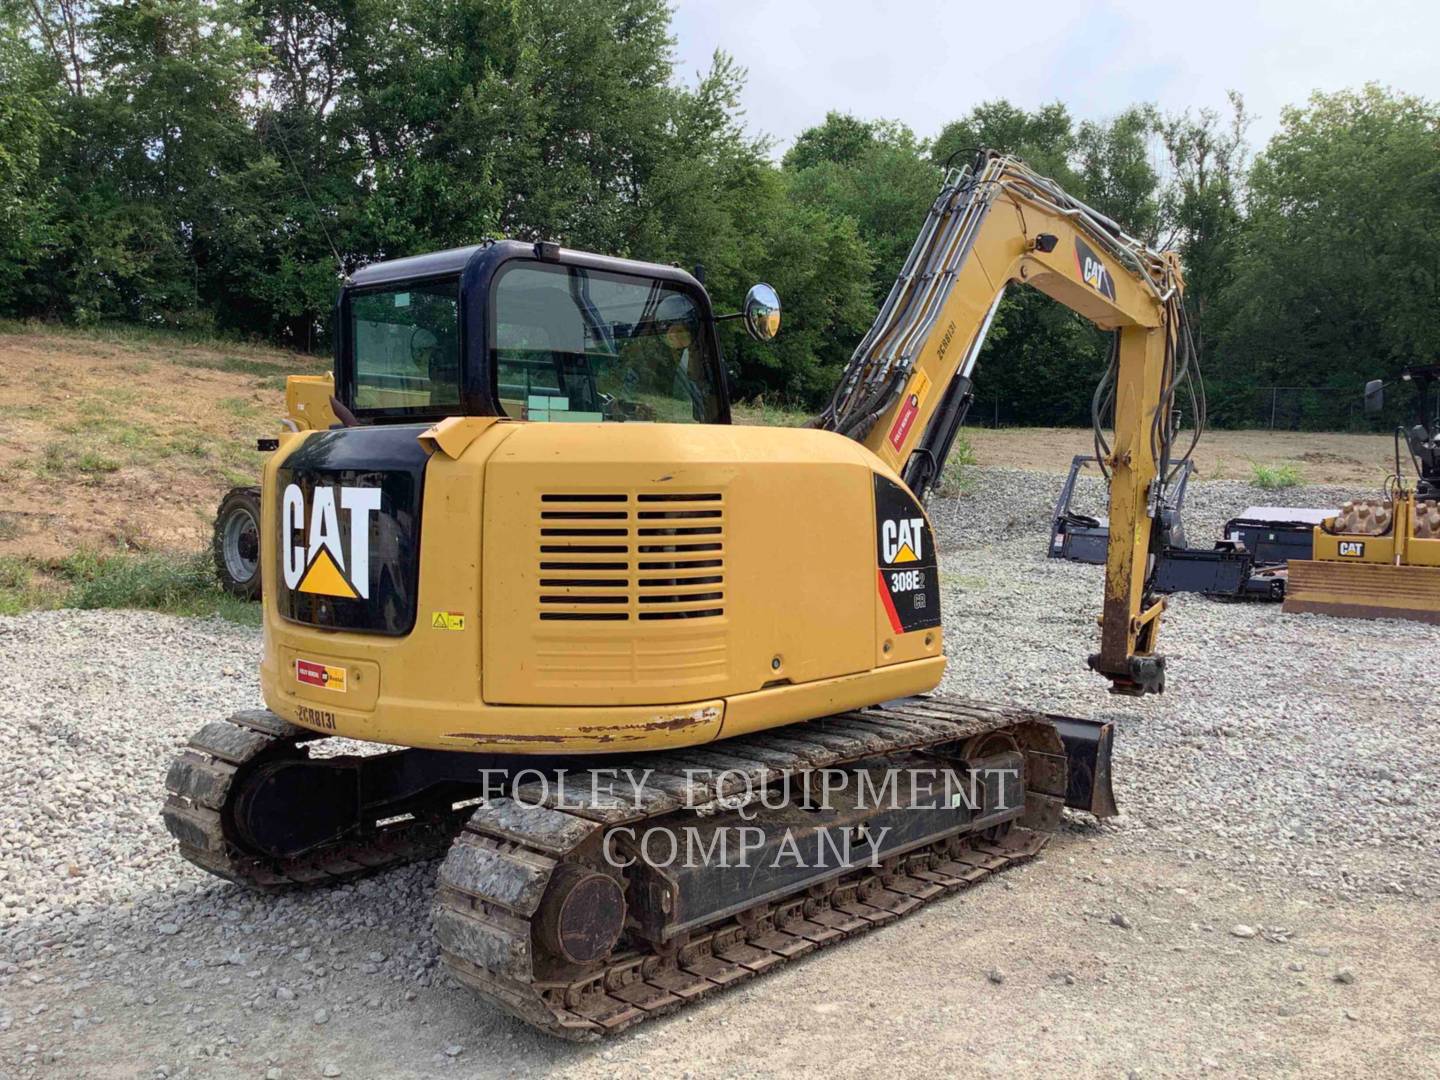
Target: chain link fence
(1266, 408)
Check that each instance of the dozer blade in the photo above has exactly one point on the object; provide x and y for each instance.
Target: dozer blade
(1087, 752)
(1364, 590)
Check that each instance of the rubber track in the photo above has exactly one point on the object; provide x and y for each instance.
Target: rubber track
(492, 881)
(200, 779)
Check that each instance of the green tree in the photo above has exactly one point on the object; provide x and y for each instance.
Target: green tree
(28, 125)
(877, 174)
(1338, 274)
(1201, 213)
(1045, 138)
(1113, 165)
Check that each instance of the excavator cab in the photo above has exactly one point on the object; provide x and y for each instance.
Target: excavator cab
(533, 332)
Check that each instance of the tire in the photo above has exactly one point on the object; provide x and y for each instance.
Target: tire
(236, 543)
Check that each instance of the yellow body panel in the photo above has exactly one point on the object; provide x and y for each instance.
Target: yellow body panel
(588, 587)
(1422, 552)
(801, 631)
(307, 401)
(1364, 590)
(1339, 547)
(1400, 545)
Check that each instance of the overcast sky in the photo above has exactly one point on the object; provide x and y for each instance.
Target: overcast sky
(925, 62)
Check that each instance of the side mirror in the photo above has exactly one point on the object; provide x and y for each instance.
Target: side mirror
(1374, 397)
(762, 312)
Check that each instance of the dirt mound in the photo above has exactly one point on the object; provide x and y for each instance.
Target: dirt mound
(112, 443)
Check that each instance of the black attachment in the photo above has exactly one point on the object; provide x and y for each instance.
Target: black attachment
(1046, 242)
(1081, 538)
(1087, 753)
(1271, 541)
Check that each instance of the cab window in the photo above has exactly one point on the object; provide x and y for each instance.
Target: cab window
(570, 344)
(405, 345)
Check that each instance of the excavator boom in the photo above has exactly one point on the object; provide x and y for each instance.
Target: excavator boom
(908, 385)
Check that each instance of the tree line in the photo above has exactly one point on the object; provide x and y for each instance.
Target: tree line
(216, 164)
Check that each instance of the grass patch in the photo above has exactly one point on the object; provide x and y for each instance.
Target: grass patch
(175, 584)
(17, 592)
(61, 459)
(183, 585)
(761, 412)
(244, 365)
(92, 461)
(1274, 477)
(189, 444)
(9, 526)
(957, 475)
(137, 336)
(239, 407)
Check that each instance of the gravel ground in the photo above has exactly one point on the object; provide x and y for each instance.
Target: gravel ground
(1298, 745)
(1265, 904)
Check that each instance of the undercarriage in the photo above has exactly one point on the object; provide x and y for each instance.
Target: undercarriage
(586, 895)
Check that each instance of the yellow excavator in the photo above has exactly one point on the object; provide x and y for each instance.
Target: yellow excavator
(612, 634)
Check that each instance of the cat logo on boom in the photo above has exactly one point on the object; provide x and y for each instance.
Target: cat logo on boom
(321, 561)
(902, 541)
(1092, 270)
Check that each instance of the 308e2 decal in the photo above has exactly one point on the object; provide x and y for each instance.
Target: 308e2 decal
(905, 556)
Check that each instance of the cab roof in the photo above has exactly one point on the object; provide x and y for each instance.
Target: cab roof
(431, 264)
(455, 261)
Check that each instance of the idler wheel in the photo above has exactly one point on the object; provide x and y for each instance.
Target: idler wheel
(581, 915)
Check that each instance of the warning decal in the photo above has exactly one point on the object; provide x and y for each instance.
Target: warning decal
(904, 421)
(447, 620)
(322, 675)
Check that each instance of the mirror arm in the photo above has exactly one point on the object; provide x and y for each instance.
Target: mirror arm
(727, 318)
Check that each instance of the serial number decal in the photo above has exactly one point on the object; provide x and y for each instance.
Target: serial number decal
(321, 718)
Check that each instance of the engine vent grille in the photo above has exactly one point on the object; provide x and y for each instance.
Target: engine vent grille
(618, 557)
